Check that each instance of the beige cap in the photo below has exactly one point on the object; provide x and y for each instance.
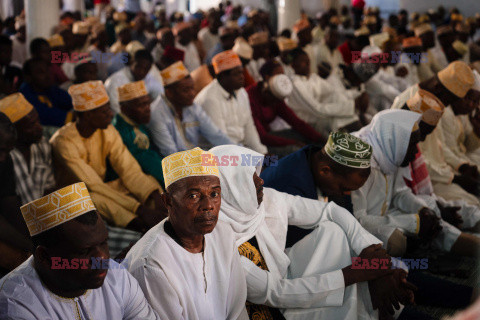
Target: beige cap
(81, 27)
(460, 47)
(457, 77)
(428, 105)
(379, 39)
(258, 38)
(421, 29)
(174, 73)
(132, 90)
(243, 49)
(286, 44)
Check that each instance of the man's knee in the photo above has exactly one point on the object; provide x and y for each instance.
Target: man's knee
(397, 244)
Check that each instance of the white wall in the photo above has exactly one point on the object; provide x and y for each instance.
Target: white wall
(466, 7)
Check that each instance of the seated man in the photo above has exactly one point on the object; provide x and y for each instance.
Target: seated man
(32, 155)
(68, 275)
(183, 32)
(296, 282)
(130, 123)
(188, 265)
(267, 101)
(42, 49)
(52, 103)
(320, 104)
(81, 150)
(140, 69)
(15, 245)
(285, 47)
(260, 43)
(450, 86)
(226, 102)
(178, 123)
(385, 206)
(10, 75)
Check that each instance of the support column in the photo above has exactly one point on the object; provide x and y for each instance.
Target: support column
(41, 16)
(288, 13)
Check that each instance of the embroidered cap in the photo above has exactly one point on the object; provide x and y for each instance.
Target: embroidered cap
(88, 95)
(132, 90)
(15, 107)
(348, 150)
(428, 105)
(57, 208)
(186, 164)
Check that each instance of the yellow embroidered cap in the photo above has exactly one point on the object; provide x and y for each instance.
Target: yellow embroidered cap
(88, 95)
(286, 44)
(258, 38)
(132, 91)
(428, 105)
(191, 163)
(300, 25)
(457, 77)
(174, 73)
(421, 29)
(57, 208)
(15, 106)
(56, 41)
(225, 60)
(81, 27)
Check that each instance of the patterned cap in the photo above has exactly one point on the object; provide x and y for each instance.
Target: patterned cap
(57, 208)
(286, 44)
(56, 41)
(421, 29)
(457, 77)
(225, 60)
(81, 27)
(174, 73)
(411, 42)
(15, 107)
(190, 163)
(242, 48)
(428, 105)
(88, 95)
(258, 38)
(300, 25)
(348, 150)
(132, 90)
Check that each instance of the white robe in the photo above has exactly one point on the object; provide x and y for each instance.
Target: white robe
(153, 82)
(324, 54)
(232, 115)
(209, 40)
(23, 296)
(295, 281)
(183, 285)
(253, 67)
(192, 58)
(321, 104)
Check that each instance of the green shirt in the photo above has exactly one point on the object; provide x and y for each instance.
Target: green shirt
(137, 140)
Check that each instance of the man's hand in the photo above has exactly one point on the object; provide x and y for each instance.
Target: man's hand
(388, 292)
(365, 269)
(467, 183)
(375, 251)
(148, 216)
(429, 225)
(469, 170)
(450, 214)
(159, 204)
(361, 103)
(401, 72)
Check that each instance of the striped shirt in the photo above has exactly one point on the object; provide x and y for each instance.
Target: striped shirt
(33, 179)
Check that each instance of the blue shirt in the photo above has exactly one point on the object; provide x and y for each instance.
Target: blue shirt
(166, 134)
(52, 105)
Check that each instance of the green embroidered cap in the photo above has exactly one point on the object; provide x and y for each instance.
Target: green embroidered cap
(348, 150)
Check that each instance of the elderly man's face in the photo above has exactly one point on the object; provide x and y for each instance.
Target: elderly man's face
(182, 93)
(138, 109)
(193, 204)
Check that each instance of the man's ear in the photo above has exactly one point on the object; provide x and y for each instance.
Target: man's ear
(42, 257)
(166, 198)
(324, 170)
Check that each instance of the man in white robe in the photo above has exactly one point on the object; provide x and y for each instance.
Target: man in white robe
(70, 275)
(326, 106)
(226, 102)
(385, 206)
(142, 68)
(294, 280)
(209, 35)
(260, 44)
(188, 265)
(184, 41)
(450, 85)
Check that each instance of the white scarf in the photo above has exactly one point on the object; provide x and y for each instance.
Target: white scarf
(240, 208)
(389, 135)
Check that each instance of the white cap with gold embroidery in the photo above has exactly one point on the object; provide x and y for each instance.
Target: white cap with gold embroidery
(88, 95)
(132, 90)
(57, 208)
(190, 163)
(15, 106)
(174, 73)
